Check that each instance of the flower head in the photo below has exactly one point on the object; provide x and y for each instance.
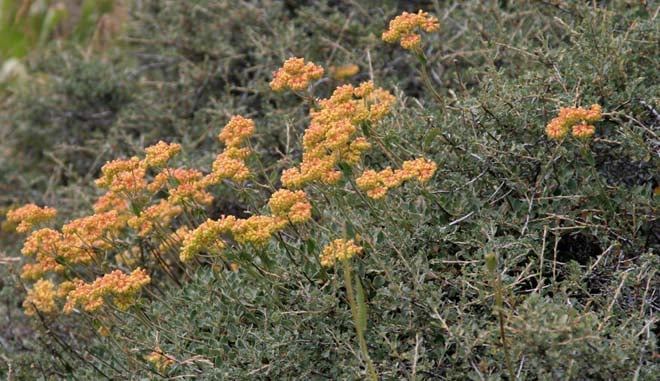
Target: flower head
(403, 28)
(376, 184)
(344, 72)
(574, 119)
(256, 230)
(236, 131)
(112, 168)
(159, 154)
(293, 206)
(206, 237)
(295, 74)
(583, 131)
(83, 237)
(122, 287)
(29, 215)
(339, 250)
(40, 298)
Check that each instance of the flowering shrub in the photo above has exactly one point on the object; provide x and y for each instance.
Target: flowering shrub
(409, 216)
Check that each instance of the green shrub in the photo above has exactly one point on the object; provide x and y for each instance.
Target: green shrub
(569, 225)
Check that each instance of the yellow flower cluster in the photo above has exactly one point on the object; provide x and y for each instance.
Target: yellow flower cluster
(344, 72)
(329, 138)
(159, 359)
(236, 131)
(403, 28)
(286, 206)
(230, 164)
(110, 201)
(257, 230)
(206, 237)
(339, 250)
(295, 74)
(376, 184)
(79, 243)
(575, 119)
(40, 298)
(122, 287)
(120, 174)
(155, 215)
(84, 237)
(159, 154)
(44, 244)
(289, 205)
(187, 186)
(29, 215)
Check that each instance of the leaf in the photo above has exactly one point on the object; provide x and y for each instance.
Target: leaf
(362, 306)
(431, 136)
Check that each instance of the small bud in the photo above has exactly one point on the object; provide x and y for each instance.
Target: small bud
(491, 261)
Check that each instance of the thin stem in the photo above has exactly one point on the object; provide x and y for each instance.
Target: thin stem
(354, 312)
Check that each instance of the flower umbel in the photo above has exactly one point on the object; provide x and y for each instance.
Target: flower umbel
(29, 215)
(339, 249)
(574, 119)
(404, 28)
(159, 154)
(122, 287)
(295, 74)
(40, 298)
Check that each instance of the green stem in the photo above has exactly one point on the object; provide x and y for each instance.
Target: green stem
(491, 263)
(359, 328)
(427, 79)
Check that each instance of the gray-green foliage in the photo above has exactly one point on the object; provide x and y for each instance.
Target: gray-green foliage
(575, 229)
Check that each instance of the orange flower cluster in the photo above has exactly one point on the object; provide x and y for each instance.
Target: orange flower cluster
(286, 206)
(329, 138)
(78, 243)
(122, 287)
(236, 131)
(339, 250)
(575, 119)
(159, 154)
(289, 205)
(376, 184)
(84, 237)
(29, 215)
(188, 185)
(111, 201)
(159, 359)
(295, 74)
(206, 237)
(44, 244)
(155, 215)
(230, 163)
(123, 176)
(40, 298)
(343, 72)
(403, 28)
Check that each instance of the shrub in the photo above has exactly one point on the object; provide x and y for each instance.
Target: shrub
(440, 225)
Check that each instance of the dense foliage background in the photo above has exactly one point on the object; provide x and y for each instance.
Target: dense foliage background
(573, 226)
